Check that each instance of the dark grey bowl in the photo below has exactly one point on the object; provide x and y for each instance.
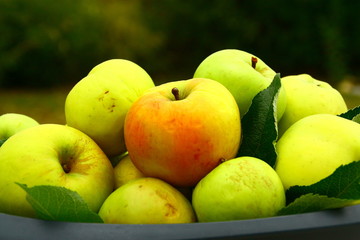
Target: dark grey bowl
(331, 224)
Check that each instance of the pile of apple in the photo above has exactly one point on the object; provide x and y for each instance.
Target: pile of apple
(139, 153)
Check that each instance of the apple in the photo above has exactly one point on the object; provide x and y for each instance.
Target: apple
(98, 103)
(126, 171)
(147, 201)
(11, 123)
(243, 74)
(240, 188)
(52, 154)
(179, 131)
(313, 147)
(307, 96)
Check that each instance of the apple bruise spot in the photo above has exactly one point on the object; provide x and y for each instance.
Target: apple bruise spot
(101, 98)
(109, 107)
(171, 210)
(254, 60)
(175, 92)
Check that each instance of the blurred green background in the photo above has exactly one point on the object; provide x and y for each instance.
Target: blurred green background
(46, 47)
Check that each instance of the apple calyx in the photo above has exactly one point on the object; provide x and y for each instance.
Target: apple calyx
(66, 168)
(254, 60)
(175, 92)
(66, 164)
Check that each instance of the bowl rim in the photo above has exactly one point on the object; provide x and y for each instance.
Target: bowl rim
(327, 224)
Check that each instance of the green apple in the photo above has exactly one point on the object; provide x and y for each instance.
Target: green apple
(179, 131)
(147, 201)
(98, 103)
(307, 96)
(126, 171)
(313, 147)
(52, 154)
(240, 188)
(11, 123)
(243, 74)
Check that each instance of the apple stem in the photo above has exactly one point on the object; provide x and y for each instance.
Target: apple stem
(175, 92)
(254, 60)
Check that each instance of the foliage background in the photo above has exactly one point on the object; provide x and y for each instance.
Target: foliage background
(53, 45)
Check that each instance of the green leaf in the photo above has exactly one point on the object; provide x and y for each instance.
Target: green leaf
(259, 125)
(356, 118)
(343, 183)
(313, 202)
(352, 114)
(59, 204)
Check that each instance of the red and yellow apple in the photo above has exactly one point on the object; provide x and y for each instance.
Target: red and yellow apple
(179, 131)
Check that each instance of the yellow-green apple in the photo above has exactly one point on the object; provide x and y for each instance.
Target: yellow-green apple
(98, 103)
(147, 201)
(126, 171)
(240, 188)
(313, 147)
(307, 96)
(243, 74)
(52, 154)
(179, 131)
(11, 123)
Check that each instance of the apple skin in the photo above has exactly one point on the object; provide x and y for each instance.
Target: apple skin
(52, 154)
(180, 141)
(97, 104)
(240, 188)
(313, 147)
(307, 96)
(126, 171)
(11, 123)
(147, 201)
(233, 68)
